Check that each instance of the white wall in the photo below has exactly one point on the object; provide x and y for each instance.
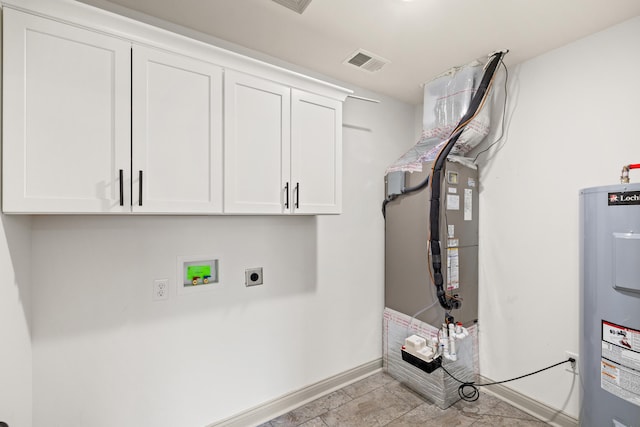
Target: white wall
(105, 354)
(15, 321)
(573, 125)
(15, 318)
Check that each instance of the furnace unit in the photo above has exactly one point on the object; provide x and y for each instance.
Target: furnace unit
(431, 201)
(408, 285)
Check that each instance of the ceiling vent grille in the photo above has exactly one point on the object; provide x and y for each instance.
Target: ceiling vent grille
(295, 5)
(366, 61)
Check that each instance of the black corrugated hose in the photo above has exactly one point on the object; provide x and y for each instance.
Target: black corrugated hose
(474, 106)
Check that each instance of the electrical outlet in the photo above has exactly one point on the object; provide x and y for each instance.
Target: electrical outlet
(571, 367)
(160, 289)
(253, 276)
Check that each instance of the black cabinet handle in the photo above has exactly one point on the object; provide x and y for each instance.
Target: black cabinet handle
(297, 195)
(140, 188)
(286, 196)
(121, 192)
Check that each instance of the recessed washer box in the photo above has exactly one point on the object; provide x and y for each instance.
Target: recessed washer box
(197, 273)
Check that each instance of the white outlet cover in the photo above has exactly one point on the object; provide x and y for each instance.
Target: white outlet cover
(160, 289)
(568, 366)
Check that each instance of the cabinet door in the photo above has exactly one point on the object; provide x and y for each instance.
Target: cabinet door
(257, 138)
(66, 120)
(177, 133)
(316, 154)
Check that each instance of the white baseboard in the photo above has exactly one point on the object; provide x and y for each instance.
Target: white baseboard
(533, 407)
(281, 405)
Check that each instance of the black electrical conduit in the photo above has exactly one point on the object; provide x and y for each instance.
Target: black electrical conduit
(436, 177)
(406, 190)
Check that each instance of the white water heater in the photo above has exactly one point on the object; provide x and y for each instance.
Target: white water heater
(610, 306)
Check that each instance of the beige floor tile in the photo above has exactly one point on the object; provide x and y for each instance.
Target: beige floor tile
(498, 421)
(405, 393)
(311, 410)
(379, 400)
(368, 384)
(482, 406)
(376, 408)
(315, 422)
(503, 409)
(429, 415)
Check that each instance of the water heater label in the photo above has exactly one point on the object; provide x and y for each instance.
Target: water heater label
(624, 198)
(623, 338)
(620, 362)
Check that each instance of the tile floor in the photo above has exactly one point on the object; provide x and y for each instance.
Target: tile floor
(380, 400)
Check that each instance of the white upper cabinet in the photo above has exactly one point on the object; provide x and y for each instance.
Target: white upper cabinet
(66, 122)
(92, 126)
(316, 153)
(177, 133)
(282, 149)
(102, 114)
(257, 138)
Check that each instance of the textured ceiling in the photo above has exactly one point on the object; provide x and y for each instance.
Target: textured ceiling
(421, 38)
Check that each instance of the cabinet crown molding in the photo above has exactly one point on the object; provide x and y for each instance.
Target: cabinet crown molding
(110, 23)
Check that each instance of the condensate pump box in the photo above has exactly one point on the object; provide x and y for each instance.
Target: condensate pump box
(428, 367)
(416, 352)
(199, 272)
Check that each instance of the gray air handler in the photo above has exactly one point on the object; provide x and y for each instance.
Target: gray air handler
(609, 369)
(408, 285)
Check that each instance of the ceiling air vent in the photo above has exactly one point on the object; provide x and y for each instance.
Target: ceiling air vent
(295, 5)
(366, 61)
